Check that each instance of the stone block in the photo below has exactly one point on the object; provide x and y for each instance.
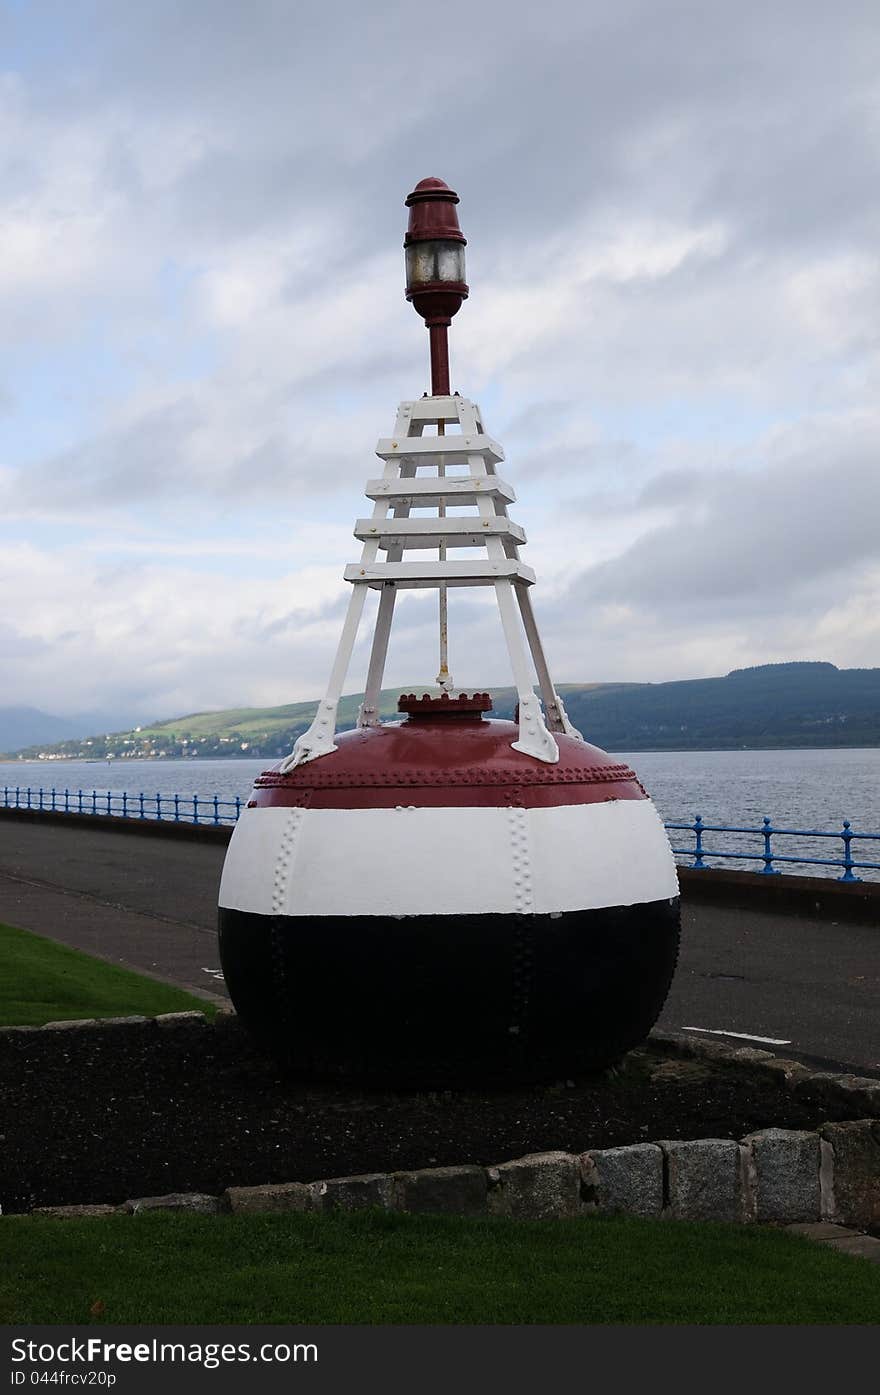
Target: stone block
(452, 1191)
(751, 1056)
(541, 1186)
(705, 1180)
(170, 1020)
(826, 1179)
(626, 1179)
(684, 1069)
(786, 1071)
(353, 1193)
(865, 1246)
(77, 1024)
(74, 1213)
(860, 1093)
(275, 1197)
(711, 1050)
(820, 1230)
(199, 1203)
(855, 1147)
(138, 1025)
(819, 1088)
(785, 1165)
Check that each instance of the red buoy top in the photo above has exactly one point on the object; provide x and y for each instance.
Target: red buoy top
(432, 213)
(434, 762)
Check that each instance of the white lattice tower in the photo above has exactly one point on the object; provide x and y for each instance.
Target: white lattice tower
(416, 476)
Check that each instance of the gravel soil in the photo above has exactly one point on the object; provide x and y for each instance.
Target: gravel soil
(101, 1115)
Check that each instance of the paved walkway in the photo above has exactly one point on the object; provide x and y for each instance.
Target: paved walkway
(150, 903)
(840, 1238)
(147, 903)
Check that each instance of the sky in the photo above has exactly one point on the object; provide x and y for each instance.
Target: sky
(672, 213)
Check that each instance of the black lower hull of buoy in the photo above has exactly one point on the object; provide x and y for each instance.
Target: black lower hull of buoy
(438, 1001)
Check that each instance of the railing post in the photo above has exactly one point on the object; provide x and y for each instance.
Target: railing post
(5, 796)
(768, 869)
(142, 815)
(698, 845)
(94, 801)
(216, 810)
(67, 800)
(53, 799)
(17, 793)
(124, 804)
(29, 796)
(109, 804)
(237, 808)
(40, 804)
(847, 837)
(177, 808)
(195, 808)
(159, 807)
(80, 809)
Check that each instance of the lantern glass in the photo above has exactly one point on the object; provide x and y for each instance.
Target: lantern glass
(438, 260)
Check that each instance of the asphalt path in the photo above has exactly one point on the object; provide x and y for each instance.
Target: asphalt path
(810, 988)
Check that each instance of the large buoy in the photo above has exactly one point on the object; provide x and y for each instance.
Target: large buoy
(447, 898)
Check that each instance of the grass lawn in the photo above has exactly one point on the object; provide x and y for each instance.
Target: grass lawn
(41, 981)
(375, 1267)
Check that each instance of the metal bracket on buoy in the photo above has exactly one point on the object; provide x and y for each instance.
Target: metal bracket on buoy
(435, 284)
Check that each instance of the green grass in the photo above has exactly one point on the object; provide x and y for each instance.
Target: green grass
(374, 1267)
(41, 981)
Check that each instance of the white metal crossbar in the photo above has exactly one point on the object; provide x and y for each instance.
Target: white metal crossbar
(423, 493)
(454, 450)
(411, 533)
(401, 489)
(428, 574)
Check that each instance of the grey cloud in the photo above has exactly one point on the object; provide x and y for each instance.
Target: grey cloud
(17, 646)
(549, 115)
(255, 628)
(673, 487)
(600, 459)
(135, 463)
(742, 540)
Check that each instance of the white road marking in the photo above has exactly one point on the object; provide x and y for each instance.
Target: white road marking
(744, 1036)
(215, 973)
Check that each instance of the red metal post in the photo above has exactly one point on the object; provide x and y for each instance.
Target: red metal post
(439, 333)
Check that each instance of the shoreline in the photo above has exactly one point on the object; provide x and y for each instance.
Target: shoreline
(41, 761)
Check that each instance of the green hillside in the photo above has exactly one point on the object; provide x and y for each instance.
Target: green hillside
(770, 706)
(773, 705)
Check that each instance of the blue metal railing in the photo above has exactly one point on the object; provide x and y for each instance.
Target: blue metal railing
(765, 852)
(206, 809)
(173, 808)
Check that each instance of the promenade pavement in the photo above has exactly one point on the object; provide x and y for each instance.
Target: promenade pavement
(810, 986)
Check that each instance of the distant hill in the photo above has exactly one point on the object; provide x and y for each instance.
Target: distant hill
(27, 726)
(237, 731)
(773, 705)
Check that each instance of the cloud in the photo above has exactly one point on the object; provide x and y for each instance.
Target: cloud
(759, 536)
(672, 220)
